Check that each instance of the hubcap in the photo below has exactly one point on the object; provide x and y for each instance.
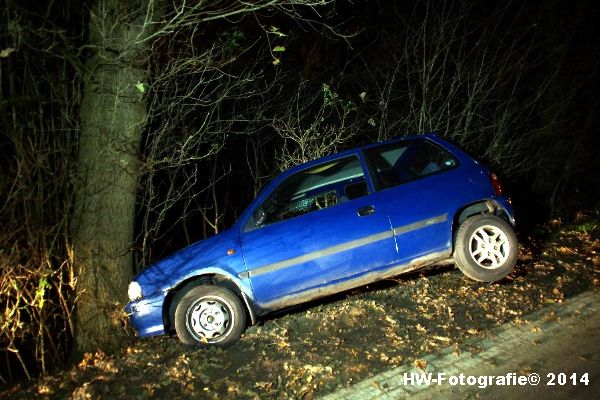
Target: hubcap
(489, 247)
(209, 318)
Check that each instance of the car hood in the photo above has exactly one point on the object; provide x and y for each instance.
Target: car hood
(210, 253)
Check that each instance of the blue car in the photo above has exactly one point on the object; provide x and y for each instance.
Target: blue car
(327, 226)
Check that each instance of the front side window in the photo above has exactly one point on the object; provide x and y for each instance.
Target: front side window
(313, 189)
(393, 164)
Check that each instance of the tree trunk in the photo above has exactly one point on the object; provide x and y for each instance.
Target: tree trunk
(113, 115)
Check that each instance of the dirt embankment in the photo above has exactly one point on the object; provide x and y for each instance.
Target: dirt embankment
(323, 346)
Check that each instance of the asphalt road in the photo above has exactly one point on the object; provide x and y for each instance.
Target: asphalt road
(560, 343)
(572, 350)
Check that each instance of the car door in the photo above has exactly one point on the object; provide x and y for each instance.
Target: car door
(319, 227)
(416, 183)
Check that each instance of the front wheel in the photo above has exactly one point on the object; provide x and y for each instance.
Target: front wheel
(209, 315)
(486, 248)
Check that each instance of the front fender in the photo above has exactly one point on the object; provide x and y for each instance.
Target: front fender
(242, 285)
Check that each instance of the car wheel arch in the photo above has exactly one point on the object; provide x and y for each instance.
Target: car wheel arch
(479, 207)
(486, 248)
(183, 287)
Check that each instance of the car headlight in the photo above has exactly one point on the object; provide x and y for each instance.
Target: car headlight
(134, 291)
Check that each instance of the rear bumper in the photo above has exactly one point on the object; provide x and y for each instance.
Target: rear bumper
(504, 207)
(146, 315)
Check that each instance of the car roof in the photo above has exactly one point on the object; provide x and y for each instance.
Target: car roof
(431, 136)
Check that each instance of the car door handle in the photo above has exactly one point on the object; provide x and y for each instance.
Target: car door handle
(367, 210)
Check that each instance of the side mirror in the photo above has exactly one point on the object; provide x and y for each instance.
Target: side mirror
(259, 216)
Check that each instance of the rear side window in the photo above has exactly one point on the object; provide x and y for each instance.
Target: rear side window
(393, 164)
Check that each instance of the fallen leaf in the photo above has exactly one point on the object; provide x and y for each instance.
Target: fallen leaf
(420, 364)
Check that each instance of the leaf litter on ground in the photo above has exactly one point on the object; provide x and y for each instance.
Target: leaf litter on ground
(324, 346)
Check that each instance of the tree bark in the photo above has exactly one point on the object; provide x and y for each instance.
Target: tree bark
(113, 115)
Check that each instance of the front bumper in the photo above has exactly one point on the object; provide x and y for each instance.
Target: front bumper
(146, 315)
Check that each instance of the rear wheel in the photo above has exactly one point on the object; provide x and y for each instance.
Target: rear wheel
(486, 248)
(209, 315)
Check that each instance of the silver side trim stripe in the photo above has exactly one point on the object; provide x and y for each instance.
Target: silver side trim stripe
(318, 254)
(420, 224)
(343, 247)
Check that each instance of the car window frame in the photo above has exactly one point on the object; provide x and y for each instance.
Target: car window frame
(249, 223)
(371, 169)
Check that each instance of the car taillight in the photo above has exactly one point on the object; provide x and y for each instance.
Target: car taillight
(496, 184)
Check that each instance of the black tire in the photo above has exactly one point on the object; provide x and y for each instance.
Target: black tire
(210, 315)
(485, 248)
